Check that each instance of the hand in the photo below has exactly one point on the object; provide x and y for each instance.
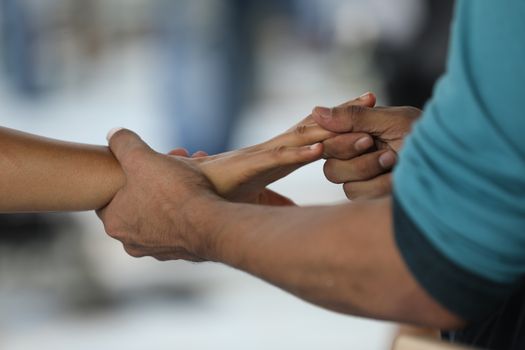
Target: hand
(265, 197)
(364, 175)
(149, 214)
(243, 175)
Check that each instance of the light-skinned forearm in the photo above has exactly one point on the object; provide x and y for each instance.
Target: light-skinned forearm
(341, 257)
(41, 174)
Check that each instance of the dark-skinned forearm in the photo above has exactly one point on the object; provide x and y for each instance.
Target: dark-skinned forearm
(342, 257)
(298, 249)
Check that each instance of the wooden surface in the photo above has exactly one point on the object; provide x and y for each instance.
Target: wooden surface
(407, 342)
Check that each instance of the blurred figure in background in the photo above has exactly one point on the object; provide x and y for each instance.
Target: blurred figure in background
(18, 46)
(208, 68)
(209, 50)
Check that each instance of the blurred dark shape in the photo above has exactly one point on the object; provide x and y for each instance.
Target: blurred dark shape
(45, 252)
(411, 71)
(21, 229)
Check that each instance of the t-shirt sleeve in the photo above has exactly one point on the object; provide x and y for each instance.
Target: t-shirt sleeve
(458, 289)
(459, 187)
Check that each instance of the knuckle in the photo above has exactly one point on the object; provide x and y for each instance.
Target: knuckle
(112, 228)
(134, 252)
(354, 111)
(278, 153)
(300, 129)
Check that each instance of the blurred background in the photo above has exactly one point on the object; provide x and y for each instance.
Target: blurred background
(206, 75)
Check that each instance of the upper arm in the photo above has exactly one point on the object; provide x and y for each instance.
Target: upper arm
(459, 184)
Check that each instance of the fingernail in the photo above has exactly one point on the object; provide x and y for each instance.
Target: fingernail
(363, 143)
(315, 146)
(364, 96)
(387, 159)
(112, 132)
(324, 112)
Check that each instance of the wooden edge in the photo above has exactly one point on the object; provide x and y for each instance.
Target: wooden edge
(409, 342)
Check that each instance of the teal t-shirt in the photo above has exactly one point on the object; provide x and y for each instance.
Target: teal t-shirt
(461, 174)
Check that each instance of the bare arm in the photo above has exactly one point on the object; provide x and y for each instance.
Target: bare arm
(41, 174)
(341, 257)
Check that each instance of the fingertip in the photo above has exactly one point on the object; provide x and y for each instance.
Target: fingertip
(181, 152)
(312, 152)
(112, 132)
(316, 146)
(122, 141)
(364, 97)
(199, 154)
(364, 143)
(387, 160)
(367, 97)
(372, 99)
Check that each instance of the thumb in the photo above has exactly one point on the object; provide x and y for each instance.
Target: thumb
(123, 141)
(348, 116)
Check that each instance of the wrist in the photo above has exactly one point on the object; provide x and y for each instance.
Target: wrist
(202, 217)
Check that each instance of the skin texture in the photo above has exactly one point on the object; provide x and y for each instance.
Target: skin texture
(340, 257)
(40, 174)
(173, 207)
(368, 175)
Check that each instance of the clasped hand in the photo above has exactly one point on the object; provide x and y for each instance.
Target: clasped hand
(154, 213)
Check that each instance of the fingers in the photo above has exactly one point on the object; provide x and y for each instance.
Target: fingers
(367, 99)
(199, 154)
(361, 168)
(123, 142)
(324, 116)
(278, 158)
(182, 152)
(352, 117)
(179, 152)
(269, 197)
(284, 156)
(347, 146)
(370, 189)
(300, 135)
(308, 131)
(265, 163)
(306, 121)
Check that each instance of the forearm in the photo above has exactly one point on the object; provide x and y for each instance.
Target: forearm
(343, 257)
(40, 174)
(307, 251)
